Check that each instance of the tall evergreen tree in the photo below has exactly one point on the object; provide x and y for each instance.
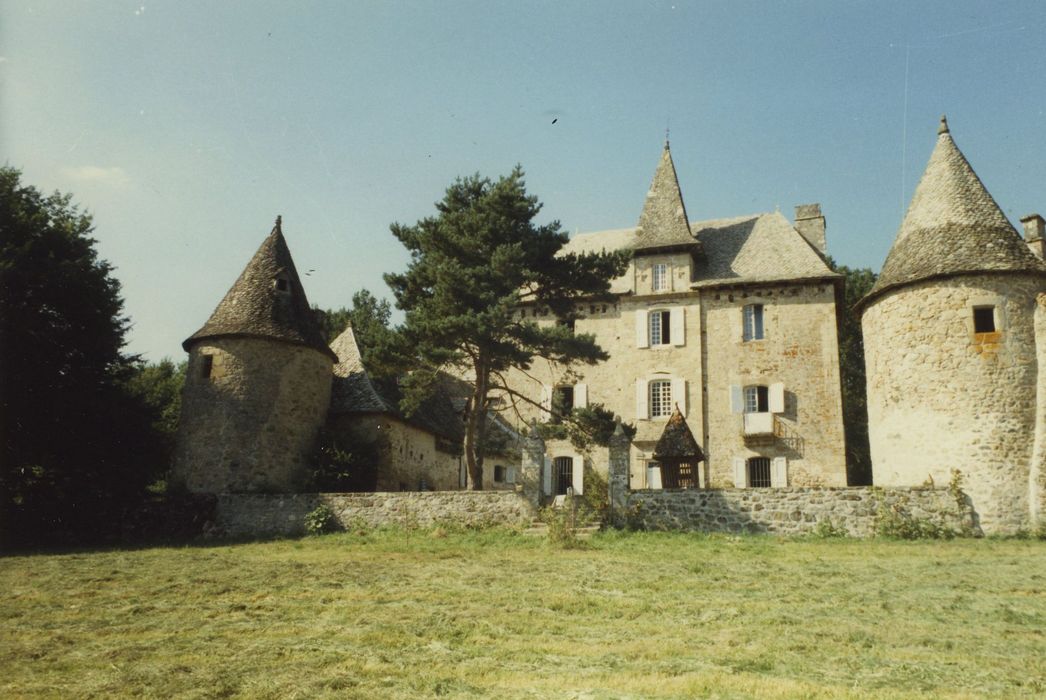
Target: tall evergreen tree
(472, 265)
(74, 442)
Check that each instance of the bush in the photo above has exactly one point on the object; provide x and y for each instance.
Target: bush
(826, 529)
(320, 520)
(562, 526)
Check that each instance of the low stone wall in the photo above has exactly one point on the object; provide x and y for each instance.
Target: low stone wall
(258, 515)
(790, 511)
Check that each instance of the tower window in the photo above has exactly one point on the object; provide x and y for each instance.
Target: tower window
(660, 398)
(206, 366)
(984, 319)
(753, 322)
(280, 284)
(659, 277)
(660, 328)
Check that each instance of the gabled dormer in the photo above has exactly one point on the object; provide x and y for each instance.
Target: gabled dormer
(665, 249)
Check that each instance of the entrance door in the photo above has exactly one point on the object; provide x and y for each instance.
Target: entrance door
(562, 475)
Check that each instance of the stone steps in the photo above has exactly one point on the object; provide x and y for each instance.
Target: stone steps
(582, 531)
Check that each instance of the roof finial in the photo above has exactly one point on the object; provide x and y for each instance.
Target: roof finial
(666, 137)
(279, 222)
(943, 128)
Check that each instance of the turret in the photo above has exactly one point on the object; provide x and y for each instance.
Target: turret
(258, 383)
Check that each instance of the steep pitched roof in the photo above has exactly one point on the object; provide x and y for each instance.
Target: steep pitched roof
(354, 391)
(677, 442)
(267, 301)
(663, 223)
(752, 248)
(953, 226)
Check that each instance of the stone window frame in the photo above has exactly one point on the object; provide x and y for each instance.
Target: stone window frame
(998, 305)
(660, 277)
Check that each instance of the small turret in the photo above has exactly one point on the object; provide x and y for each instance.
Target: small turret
(258, 383)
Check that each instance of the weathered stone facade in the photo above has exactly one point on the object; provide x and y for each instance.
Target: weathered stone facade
(953, 336)
(251, 409)
(942, 397)
(694, 291)
(251, 515)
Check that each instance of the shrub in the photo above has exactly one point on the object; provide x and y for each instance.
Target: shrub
(320, 520)
(826, 529)
(562, 526)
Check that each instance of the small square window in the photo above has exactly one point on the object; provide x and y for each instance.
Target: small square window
(984, 319)
(499, 473)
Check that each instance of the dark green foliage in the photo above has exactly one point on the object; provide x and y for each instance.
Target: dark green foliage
(320, 520)
(851, 370)
(159, 387)
(584, 427)
(472, 266)
(377, 341)
(77, 447)
(340, 465)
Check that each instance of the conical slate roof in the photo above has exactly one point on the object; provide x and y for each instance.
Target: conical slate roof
(267, 301)
(953, 226)
(677, 442)
(663, 224)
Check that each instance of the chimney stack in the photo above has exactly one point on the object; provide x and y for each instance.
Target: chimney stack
(1034, 233)
(810, 224)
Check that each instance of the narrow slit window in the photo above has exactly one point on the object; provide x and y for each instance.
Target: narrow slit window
(206, 366)
(984, 319)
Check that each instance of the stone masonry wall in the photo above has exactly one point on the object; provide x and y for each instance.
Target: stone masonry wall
(258, 515)
(941, 397)
(252, 424)
(790, 511)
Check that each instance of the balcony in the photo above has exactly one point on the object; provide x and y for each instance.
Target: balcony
(760, 427)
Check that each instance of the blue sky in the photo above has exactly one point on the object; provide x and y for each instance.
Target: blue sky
(186, 127)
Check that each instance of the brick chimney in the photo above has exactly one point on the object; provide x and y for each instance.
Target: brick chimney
(809, 222)
(1034, 233)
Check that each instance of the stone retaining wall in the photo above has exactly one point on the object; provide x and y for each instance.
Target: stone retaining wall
(790, 511)
(256, 515)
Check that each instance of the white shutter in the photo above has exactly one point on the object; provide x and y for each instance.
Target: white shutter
(740, 473)
(577, 475)
(580, 395)
(653, 477)
(679, 394)
(642, 400)
(511, 476)
(642, 334)
(737, 399)
(779, 472)
(546, 402)
(546, 477)
(677, 325)
(777, 398)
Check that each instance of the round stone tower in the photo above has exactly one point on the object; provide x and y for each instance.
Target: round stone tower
(258, 384)
(951, 348)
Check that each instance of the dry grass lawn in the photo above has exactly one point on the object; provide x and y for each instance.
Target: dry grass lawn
(494, 614)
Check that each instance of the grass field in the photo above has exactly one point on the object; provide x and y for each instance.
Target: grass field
(493, 614)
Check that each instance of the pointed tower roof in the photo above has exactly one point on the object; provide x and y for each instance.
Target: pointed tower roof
(953, 226)
(677, 442)
(663, 225)
(267, 301)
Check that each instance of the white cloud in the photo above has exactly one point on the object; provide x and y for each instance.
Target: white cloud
(93, 174)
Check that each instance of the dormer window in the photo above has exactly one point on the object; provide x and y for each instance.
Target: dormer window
(660, 281)
(280, 284)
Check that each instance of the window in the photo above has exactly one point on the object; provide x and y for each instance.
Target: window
(568, 324)
(659, 277)
(984, 319)
(753, 322)
(562, 475)
(499, 473)
(280, 284)
(759, 472)
(206, 366)
(660, 398)
(660, 328)
(562, 402)
(757, 399)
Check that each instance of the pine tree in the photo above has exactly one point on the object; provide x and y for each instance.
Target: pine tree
(472, 265)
